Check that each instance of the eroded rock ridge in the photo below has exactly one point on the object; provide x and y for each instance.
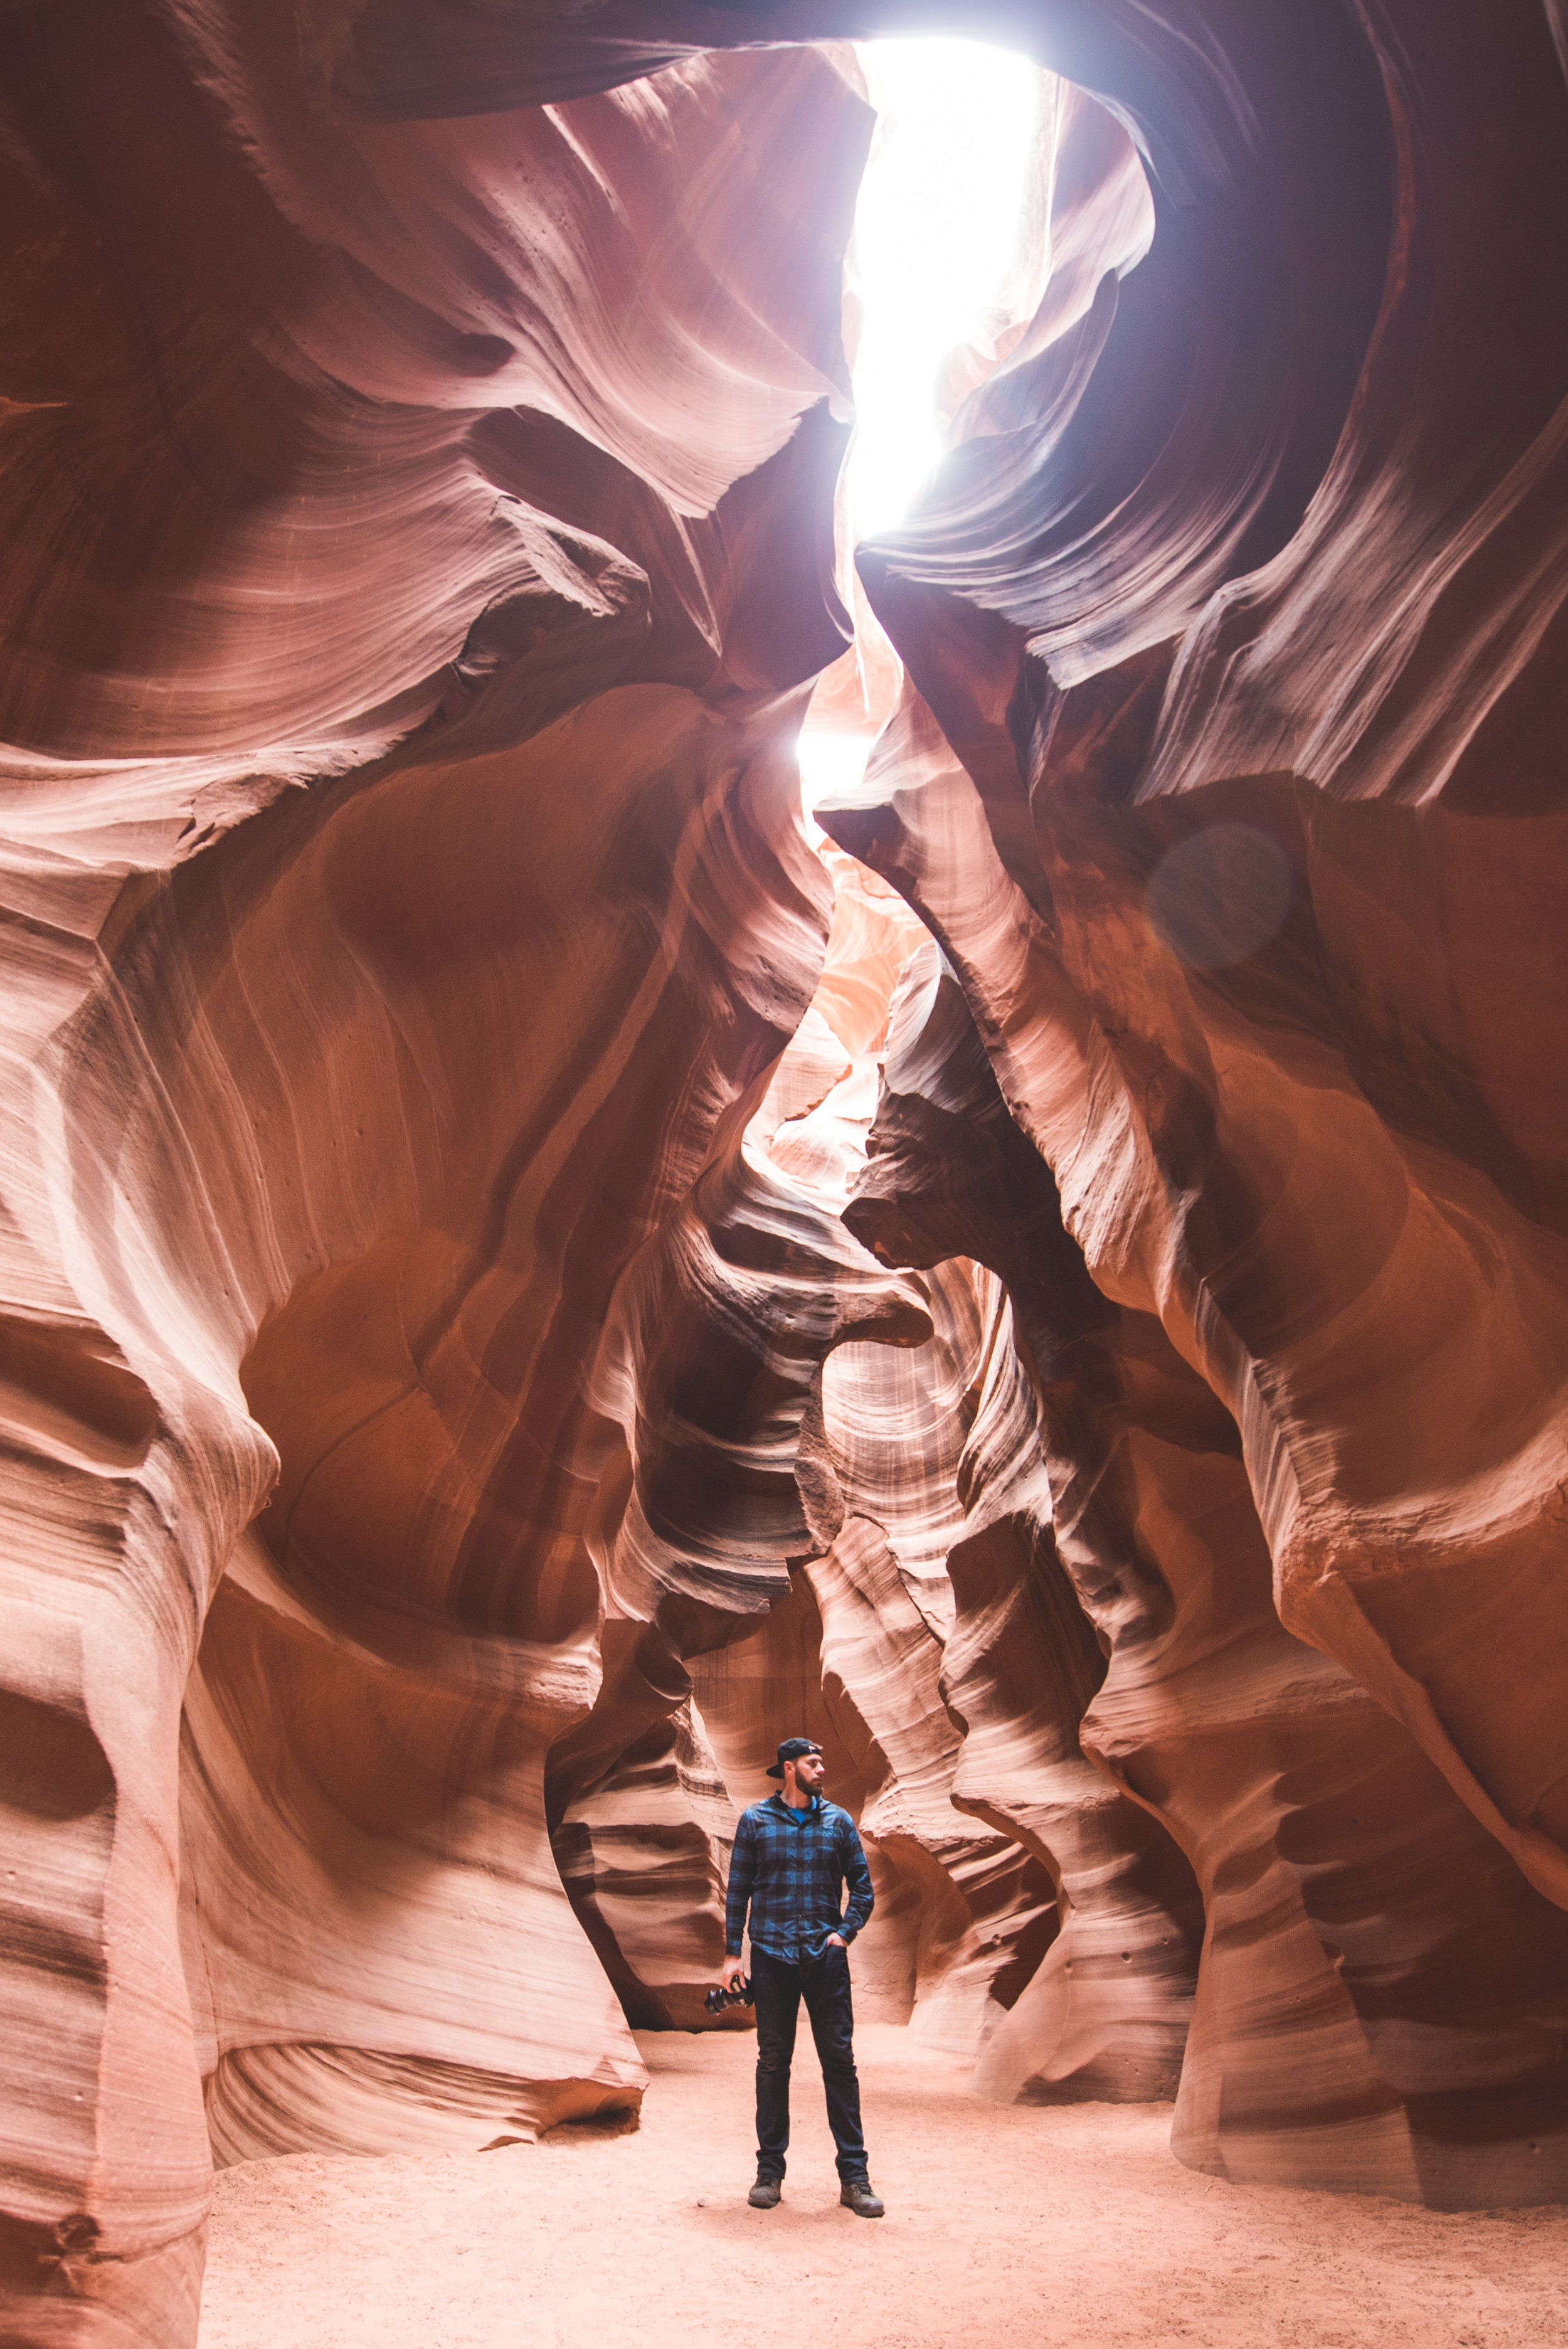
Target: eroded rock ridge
(529, 1272)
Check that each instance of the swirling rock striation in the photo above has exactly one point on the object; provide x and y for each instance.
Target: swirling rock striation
(349, 1130)
(496, 1316)
(1217, 856)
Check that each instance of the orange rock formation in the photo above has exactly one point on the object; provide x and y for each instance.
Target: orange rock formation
(522, 1277)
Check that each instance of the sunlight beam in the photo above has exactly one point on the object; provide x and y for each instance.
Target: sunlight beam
(937, 268)
(935, 241)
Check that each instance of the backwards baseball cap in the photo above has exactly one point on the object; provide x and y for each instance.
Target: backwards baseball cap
(790, 1750)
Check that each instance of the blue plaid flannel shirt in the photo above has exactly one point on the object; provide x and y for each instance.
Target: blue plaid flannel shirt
(789, 1866)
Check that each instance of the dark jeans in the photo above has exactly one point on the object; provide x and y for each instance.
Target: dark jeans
(824, 1984)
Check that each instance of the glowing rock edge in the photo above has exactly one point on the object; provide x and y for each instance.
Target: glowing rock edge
(521, 1276)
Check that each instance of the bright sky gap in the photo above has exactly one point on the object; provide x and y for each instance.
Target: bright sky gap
(935, 242)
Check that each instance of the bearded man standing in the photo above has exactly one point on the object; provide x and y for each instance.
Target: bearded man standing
(793, 1855)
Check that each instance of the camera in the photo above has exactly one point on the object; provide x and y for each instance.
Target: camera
(717, 1999)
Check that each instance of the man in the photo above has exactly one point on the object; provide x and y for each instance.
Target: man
(793, 1854)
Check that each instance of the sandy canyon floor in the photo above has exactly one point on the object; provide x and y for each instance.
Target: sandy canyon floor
(1005, 2227)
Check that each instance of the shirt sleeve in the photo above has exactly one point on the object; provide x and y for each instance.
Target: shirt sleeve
(858, 1877)
(742, 1875)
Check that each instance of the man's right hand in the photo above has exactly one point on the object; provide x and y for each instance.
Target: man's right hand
(734, 1973)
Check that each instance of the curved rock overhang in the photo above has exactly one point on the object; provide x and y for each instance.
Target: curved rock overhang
(515, 1277)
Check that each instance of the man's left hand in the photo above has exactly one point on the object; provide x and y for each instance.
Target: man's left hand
(835, 1941)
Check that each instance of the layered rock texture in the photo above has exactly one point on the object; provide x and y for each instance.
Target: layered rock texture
(527, 1273)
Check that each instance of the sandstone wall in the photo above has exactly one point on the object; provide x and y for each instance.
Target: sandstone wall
(522, 1277)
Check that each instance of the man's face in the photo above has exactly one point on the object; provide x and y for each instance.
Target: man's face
(808, 1771)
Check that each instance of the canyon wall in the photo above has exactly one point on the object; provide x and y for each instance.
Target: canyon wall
(526, 1275)
(1221, 876)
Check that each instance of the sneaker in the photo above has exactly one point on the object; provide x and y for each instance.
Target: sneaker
(856, 2195)
(764, 2195)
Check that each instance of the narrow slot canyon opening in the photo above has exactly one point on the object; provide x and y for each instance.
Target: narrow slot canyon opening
(946, 268)
(946, 265)
(949, 251)
(763, 977)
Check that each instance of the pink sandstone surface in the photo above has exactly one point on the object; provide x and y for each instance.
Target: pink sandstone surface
(1007, 2228)
(527, 1272)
